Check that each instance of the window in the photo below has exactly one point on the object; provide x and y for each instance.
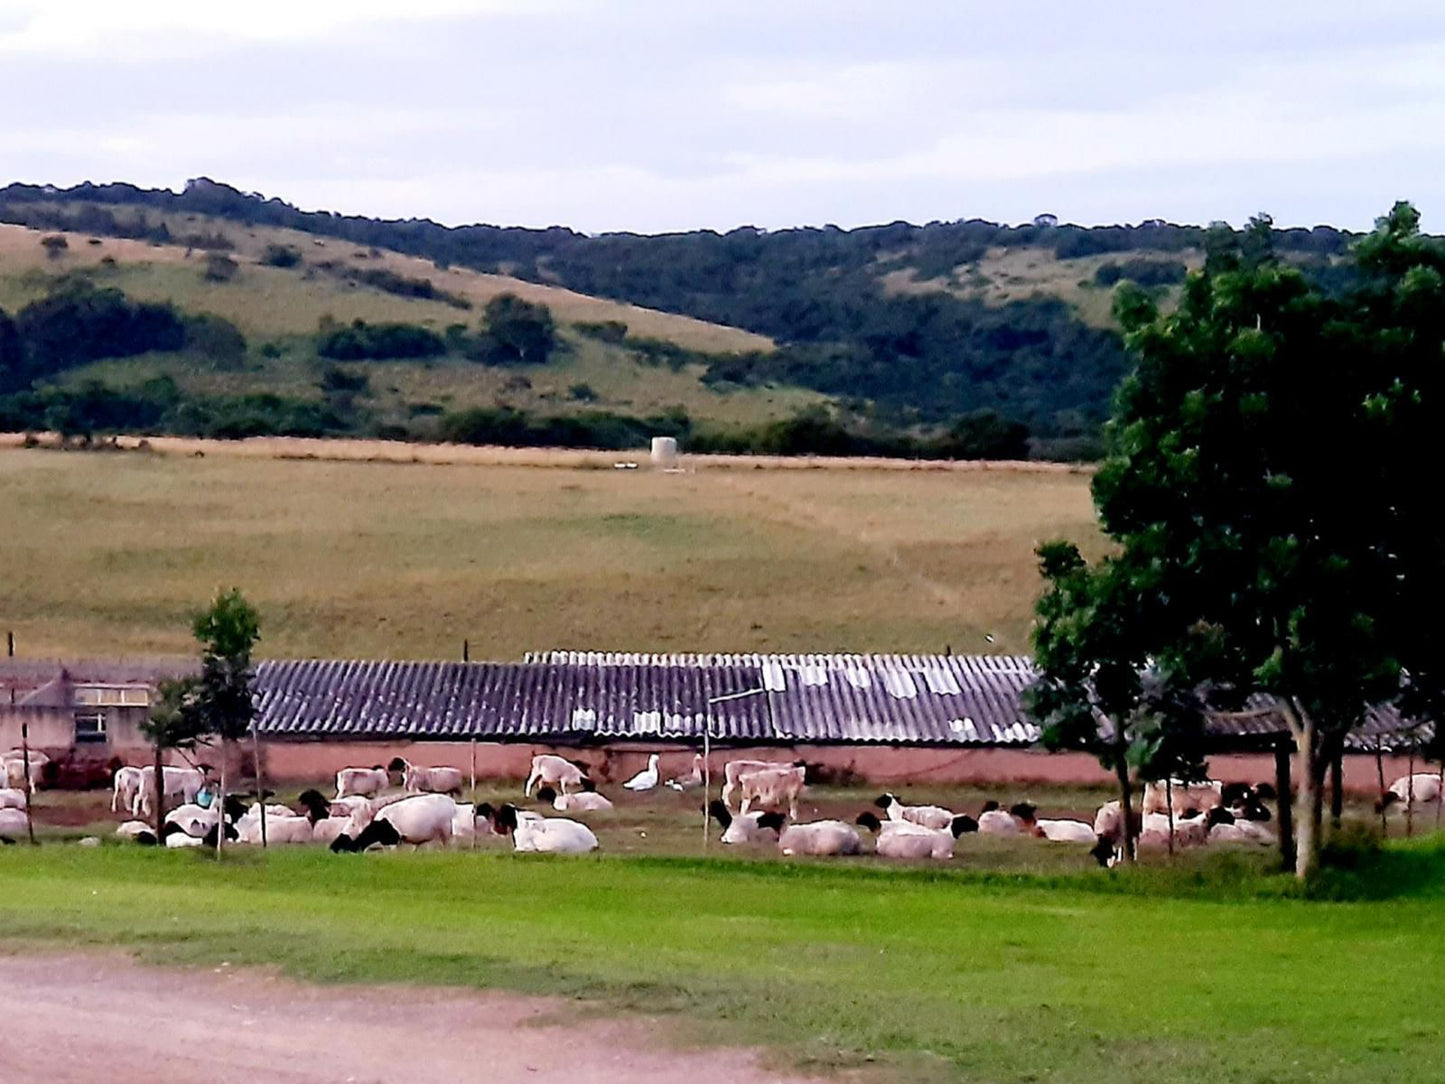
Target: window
(89, 726)
(116, 696)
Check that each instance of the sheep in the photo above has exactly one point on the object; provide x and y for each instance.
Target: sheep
(757, 827)
(929, 816)
(993, 821)
(820, 838)
(173, 835)
(15, 768)
(125, 786)
(584, 801)
(280, 830)
(1224, 827)
(734, 770)
(13, 822)
(419, 819)
(771, 788)
(545, 835)
(417, 779)
(1190, 831)
(1186, 796)
(1059, 831)
(555, 771)
(1424, 786)
(362, 781)
(134, 830)
(180, 784)
(12, 798)
(907, 839)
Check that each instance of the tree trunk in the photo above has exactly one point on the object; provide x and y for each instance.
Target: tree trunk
(1410, 794)
(1284, 803)
(1337, 788)
(1169, 803)
(1307, 840)
(221, 798)
(160, 796)
(1380, 774)
(1126, 807)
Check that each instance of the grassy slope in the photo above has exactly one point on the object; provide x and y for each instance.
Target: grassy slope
(282, 306)
(1005, 275)
(109, 553)
(940, 975)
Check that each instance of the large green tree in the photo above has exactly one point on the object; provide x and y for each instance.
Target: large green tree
(1254, 471)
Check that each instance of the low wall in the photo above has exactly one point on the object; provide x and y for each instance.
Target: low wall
(307, 761)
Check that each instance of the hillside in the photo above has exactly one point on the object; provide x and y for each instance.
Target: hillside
(905, 329)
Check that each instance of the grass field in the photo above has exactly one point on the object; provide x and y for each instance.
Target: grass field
(918, 975)
(109, 553)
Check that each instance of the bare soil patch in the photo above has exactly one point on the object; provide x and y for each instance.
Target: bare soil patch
(75, 1019)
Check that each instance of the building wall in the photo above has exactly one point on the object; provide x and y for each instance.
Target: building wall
(53, 730)
(296, 762)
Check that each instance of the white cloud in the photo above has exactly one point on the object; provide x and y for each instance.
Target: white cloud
(153, 28)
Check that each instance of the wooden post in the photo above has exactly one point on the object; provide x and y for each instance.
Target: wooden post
(466, 651)
(260, 784)
(1380, 774)
(1337, 790)
(1169, 805)
(221, 797)
(1285, 802)
(474, 794)
(10, 643)
(29, 789)
(706, 773)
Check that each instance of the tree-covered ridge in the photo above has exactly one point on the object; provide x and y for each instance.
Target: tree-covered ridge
(819, 292)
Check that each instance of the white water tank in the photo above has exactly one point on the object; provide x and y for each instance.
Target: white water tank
(664, 452)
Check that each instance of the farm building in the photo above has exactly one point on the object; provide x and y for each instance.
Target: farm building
(914, 718)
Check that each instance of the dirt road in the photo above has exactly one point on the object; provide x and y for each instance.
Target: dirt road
(79, 1019)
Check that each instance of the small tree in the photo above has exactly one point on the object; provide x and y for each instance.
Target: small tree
(220, 267)
(227, 631)
(174, 723)
(515, 332)
(55, 245)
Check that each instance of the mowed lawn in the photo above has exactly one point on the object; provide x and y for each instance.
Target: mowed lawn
(110, 553)
(914, 975)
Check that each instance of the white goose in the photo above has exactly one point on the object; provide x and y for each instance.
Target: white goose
(645, 779)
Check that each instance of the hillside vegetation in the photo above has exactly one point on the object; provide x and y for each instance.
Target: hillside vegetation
(904, 325)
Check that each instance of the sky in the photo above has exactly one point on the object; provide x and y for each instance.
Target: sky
(658, 115)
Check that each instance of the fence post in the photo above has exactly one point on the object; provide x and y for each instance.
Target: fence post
(29, 788)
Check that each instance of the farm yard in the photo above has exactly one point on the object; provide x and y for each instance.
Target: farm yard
(388, 560)
(1020, 960)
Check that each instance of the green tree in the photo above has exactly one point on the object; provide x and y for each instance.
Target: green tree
(13, 371)
(1251, 469)
(174, 723)
(515, 332)
(227, 631)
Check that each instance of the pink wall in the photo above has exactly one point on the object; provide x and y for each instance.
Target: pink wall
(310, 761)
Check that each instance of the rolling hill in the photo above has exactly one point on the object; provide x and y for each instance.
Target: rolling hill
(898, 330)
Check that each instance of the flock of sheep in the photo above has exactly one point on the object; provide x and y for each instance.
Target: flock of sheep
(758, 806)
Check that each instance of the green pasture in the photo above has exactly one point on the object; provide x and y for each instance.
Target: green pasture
(1206, 971)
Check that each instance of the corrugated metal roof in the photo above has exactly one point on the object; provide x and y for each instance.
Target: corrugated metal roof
(892, 699)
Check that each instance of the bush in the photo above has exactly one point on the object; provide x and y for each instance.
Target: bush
(583, 393)
(54, 246)
(78, 323)
(281, 256)
(515, 332)
(217, 338)
(220, 268)
(336, 379)
(607, 331)
(362, 341)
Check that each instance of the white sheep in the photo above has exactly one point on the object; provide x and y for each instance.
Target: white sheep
(556, 772)
(820, 838)
(584, 801)
(418, 820)
(994, 821)
(929, 816)
(421, 780)
(362, 781)
(772, 788)
(759, 826)
(12, 798)
(734, 770)
(125, 786)
(908, 839)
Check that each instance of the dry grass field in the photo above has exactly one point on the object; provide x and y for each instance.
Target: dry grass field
(109, 553)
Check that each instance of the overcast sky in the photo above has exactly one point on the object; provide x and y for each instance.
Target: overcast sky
(667, 114)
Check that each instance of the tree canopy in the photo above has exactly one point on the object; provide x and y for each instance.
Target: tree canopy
(1256, 481)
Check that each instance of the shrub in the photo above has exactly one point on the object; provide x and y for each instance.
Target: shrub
(217, 338)
(336, 379)
(607, 331)
(583, 393)
(281, 256)
(220, 268)
(54, 245)
(361, 341)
